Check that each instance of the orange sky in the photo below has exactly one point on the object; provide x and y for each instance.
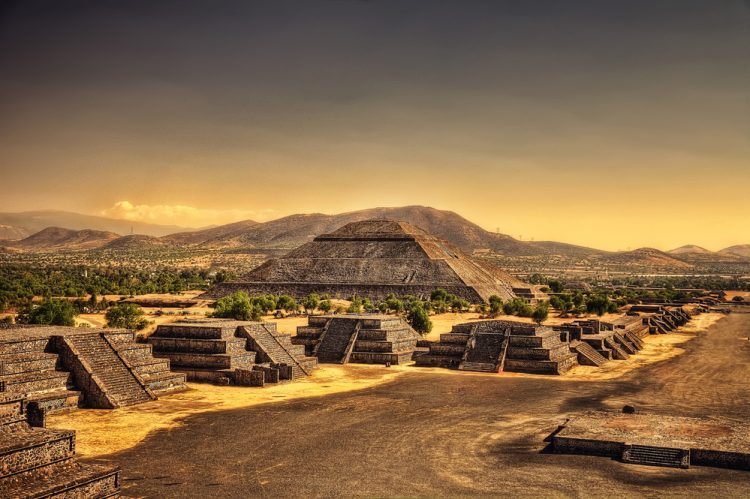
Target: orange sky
(605, 124)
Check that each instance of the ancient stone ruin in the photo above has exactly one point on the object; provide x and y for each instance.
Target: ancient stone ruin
(375, 258)
(494, 346)
(656, 440)
(231, 352)
(60, 368)
(364, 339)
(39, 462)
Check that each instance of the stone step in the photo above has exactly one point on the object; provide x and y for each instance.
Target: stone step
(23, 449)
(27, 362)
(24, 346)
(36, 381)
(656, 456)
(478, 367)
(186, 331)
(11, 408)
(553, 353)
(209, 361)
(66, 479)
(57, 400)
(587, 355)
(433, 360)
(188, 345)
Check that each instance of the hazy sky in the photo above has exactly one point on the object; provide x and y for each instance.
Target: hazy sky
(606, 123)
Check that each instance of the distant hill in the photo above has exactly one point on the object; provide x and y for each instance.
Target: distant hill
(689, 249)
(30, 222)
(742, 250)
(11, 233)
(59, 238)
(295, 230)
(646, 258)
(134, 242)
(226, 233)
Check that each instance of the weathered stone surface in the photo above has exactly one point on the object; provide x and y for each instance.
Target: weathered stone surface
(375, 258)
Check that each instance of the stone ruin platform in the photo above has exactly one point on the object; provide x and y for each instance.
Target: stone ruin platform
(496, 345)
(61, 368)
(230, 352)
(358, 338)
(657, 440)
(40, 462)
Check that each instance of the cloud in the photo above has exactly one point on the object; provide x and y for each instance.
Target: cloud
(179, 214)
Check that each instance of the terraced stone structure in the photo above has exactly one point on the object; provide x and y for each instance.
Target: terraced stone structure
(60, 368)
(40, 462)
(363, 339)
(495, 345)
(660, 319)
(231, 352)
(597, 341)
(375, 258)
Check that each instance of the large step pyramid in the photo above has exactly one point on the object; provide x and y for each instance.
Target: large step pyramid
(374, 258)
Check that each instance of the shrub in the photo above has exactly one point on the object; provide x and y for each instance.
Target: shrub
(237, 306)
(126, 315)
(419, 319)
(51, 312)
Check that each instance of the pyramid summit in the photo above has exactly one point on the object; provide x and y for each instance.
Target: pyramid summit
(374, 258)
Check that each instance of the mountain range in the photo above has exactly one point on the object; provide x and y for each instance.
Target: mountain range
(43, 231)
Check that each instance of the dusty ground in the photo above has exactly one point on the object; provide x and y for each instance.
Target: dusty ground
(417, 432)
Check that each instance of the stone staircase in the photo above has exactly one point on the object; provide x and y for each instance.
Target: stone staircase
(230, 352)
(358, 338)
(334, 342)
(39, 462)
(155, 374)
(586, 354)
(107, 371)
(276, 348)
(484, 352)
(27, 367)
(656, 456)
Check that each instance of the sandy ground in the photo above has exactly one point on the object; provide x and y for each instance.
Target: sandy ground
(422, 434)
(102, 432)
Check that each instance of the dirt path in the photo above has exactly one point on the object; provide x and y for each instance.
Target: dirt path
(432, 434)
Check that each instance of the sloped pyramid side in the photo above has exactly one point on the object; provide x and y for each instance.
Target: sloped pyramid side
(374, 258)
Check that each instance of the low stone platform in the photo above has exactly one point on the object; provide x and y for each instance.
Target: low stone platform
(496, 345)
(358, 338)
(61, 368)
(38, 462)
(230, 352)
(657, 440)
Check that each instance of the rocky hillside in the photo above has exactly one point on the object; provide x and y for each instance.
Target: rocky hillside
(59, 238)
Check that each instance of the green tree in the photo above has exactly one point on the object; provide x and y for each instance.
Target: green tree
(325, 305)
(51, 311)
(556, 286)
(287, 303)
(496, 305)
(310, 302)
(126, 315)
(355, 307)
(394, 304)
(236, 306)
(439, 295)
(541, 312)
(419, 319)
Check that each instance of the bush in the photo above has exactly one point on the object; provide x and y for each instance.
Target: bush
(237, 306)
(311, 302)
(541, 311)
(355, 307)
(325, 305)
(126, 315)
(496, 305)
(419, 319)
(287, 303)
(50, 312)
